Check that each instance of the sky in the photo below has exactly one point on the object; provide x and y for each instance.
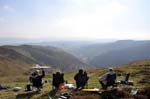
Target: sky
(96, 19)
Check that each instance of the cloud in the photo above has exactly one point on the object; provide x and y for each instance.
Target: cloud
(9, 8)
(99, 22)
(2, 19)
(77, 18)
(117, 7)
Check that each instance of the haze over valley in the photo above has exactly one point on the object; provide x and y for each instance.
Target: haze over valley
(64, 36)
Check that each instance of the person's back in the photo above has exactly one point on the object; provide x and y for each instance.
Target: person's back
(33, 79)
(58, 78)
(111, 77)
(36, 79)
(78, 76)
(108, 79)
(81, 79)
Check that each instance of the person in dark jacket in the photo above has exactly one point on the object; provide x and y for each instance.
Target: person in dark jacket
(81, 79)
(36, 79)
(58, 79)
(108, 79)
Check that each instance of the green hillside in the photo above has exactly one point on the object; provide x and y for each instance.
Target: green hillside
(52, 56)
(139, 74)
(12, 62)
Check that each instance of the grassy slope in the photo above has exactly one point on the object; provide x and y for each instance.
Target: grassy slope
(13, 63)
(138, 70)
(52, 56)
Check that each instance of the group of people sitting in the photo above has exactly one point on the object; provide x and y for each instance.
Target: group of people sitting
(81, 79)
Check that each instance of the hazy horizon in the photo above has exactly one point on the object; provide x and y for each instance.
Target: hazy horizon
(75, 19)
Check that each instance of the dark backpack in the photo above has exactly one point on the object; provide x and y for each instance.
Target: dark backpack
(29, 87)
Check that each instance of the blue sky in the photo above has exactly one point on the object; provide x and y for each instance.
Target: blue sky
(99, 19)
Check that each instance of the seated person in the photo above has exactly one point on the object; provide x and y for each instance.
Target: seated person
(126, 80)
(81, 79)
(58, 80)
(108, 79)
(36, 79)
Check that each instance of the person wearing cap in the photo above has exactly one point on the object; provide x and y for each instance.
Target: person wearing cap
(108, 79)
(36, 79)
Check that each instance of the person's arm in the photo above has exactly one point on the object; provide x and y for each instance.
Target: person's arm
(62, 77)
(103, 77)
(30, 79)
(75, 77)
(53, 81)
(115, 76)
(43, 73)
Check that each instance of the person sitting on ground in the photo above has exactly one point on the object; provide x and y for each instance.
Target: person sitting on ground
(58, 80)
(108, 79)
(36, 79)
(81, 79)
(126, 78)
(126, 81)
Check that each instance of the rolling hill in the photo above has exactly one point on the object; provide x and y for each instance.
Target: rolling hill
(12, 62)
(112, 53)
(99, 55)
(52, 56)
(122, 56)
(92, 50)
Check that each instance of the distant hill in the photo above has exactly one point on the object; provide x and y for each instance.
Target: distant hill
(89, 51)
(68, 57)
(52, 56)
(105, 53)
(95, 53)
(122, 56)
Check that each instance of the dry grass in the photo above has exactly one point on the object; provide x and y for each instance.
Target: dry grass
(136, 70)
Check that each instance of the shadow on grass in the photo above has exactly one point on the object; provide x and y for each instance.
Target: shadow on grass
(26, 95)
(53, 92)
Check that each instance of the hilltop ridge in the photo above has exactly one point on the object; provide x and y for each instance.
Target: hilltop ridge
(24, 56)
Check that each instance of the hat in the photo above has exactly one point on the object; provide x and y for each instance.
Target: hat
(110, 68)
(37, 71)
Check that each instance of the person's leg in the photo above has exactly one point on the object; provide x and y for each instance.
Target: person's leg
(82, 85)
(103, 85)
(78, 85)
(85, 84)
(38, 89)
